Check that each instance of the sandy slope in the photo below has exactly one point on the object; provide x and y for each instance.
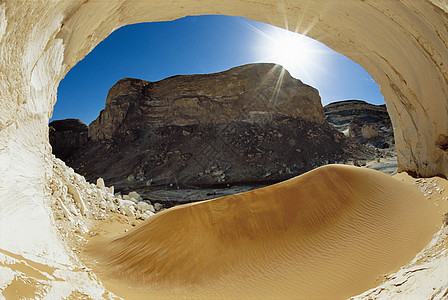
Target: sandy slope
(328, 234)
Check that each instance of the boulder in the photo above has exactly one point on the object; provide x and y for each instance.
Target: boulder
(135, 195)
(100, 183)
(146, 215)
(73, 190)
(158, 206)
(126, 203)
(128, 211)
(369, 131)
(143, 206)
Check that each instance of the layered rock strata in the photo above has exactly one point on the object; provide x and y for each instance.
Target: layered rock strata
(253, 124)
(367, 123)
(248, 93)
(67, 137)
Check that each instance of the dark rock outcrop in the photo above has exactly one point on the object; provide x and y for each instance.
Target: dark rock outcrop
(203, 155)
(67, 137)
(252, 92)
(253, 124)
(367, 123)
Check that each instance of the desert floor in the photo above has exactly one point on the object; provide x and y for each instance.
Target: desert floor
(331, 233)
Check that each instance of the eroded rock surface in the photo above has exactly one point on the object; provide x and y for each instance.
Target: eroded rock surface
(238, 127)
(248, 93)
(68, 136)
(40, 42)
(367, 123)
(76, 207)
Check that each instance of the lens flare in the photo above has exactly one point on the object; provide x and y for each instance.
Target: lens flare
(302, 56)
(287, 47)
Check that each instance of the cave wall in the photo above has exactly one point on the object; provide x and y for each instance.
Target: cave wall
(402, 44)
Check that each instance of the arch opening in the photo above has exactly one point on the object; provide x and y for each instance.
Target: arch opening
(377, 55)
(255, 43)
(203, 45)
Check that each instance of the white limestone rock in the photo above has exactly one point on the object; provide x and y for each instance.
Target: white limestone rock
(39, 43)
(110, 190)
(146, 215)
(158, 206)
(78, 199)
(142, 206)
(100, 183)
(128, 211)
(126, 203)
(111, 207)
(67, 214)
(103, 205)
(135, 195)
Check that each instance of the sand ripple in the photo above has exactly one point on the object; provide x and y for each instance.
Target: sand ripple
(327, 234)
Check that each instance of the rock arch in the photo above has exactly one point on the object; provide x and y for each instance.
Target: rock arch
(402, 44)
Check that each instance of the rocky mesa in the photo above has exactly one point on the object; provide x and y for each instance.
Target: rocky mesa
(367, 123)
(252, 92)
(253, 124)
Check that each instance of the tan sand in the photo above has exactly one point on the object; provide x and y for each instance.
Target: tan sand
(328, 234)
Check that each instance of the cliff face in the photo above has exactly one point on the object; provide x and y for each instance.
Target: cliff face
(67, 137)
(251, 124)
(247, 93)
(366, 123)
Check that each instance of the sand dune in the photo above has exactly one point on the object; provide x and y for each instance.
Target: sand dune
(328, 234)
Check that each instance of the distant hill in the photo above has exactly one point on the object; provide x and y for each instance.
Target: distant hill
(367, 123)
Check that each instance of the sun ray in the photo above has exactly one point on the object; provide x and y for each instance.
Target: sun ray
(278, 86)
(300, 55)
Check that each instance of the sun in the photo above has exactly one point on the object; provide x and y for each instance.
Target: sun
(289, 49)
(299, 54)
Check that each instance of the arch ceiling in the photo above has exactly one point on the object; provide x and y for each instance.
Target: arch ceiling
(402, 44)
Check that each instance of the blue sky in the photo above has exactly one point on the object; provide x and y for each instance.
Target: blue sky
(205, 44)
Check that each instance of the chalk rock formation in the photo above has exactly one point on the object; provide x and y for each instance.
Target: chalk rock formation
(77, 198)
(235, 127)
(402, 44)
(367, 123)
(74, 205)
